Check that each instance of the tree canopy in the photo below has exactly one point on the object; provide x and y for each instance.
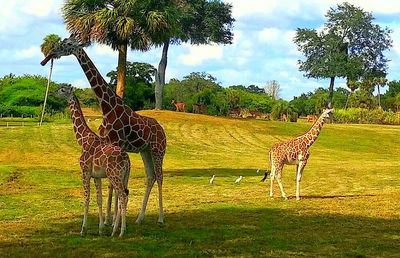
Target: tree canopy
(349, 46)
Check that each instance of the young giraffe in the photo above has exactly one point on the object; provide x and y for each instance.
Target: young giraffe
(99, 160)
(121, 125)
(294, 152)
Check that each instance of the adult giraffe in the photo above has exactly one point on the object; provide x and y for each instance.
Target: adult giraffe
(121, 125)
(294, 152)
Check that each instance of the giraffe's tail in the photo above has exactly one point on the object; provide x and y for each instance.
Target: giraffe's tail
(267, 172)
(265, 175)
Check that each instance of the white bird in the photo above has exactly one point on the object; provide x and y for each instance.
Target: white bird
(212, 179)
(258, 171)
(237, 181)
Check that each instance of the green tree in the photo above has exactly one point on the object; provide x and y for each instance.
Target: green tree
(194, 21)
(353, 86)
(349, 46)
(139, 88)
(379, 82)
(49, 42)
(114, 23)
(171, 13)
(87, 97)
(397, 102)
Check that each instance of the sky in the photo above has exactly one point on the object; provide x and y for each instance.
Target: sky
(262, 48)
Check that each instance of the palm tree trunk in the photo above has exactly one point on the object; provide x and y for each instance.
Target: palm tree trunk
(121, 70)
(347, 101)
(160, 76)
(330, 96)
(379, 97)
(47, 92)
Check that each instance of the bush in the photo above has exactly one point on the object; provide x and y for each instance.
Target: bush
(19, 111)
(365, 116)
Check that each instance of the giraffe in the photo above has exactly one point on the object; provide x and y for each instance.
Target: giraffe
(98, 160)
(121, 125)
(294, 152)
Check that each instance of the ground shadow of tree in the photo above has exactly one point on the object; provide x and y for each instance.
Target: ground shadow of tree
(224, 231)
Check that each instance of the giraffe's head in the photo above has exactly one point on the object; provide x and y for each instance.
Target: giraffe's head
(65, 91)
(326, 113)
(66, 47)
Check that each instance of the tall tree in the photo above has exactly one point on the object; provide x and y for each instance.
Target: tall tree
(49, 42)
(349, 46)
(379, 82)
(193, 21)
(353, 86)
(171, 13)
(114, 23)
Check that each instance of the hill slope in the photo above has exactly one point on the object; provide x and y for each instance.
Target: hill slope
(350, 193)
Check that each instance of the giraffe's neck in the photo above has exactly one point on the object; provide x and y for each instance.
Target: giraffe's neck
(81, 129)
(311, 136)
(106, 97)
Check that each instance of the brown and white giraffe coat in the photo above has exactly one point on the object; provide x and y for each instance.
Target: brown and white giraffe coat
(294, 152)
(121, 125)
(99, 159)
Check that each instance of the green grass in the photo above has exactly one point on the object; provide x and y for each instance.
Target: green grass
(350, 190)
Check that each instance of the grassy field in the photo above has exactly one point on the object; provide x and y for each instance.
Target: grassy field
(350, 189)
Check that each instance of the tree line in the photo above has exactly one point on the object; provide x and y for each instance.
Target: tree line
(23, 96)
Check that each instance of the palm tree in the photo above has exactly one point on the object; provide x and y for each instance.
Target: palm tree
(114, 23)
(379, 82)
(49, 42)
(352, 85)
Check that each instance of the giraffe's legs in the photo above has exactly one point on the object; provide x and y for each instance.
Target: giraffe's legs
(115, 207)
(272, 178)
(276, 172)
(278, 178)
(149, 168)
(117, 218)
(123, 203)
(300, 169)
(86, 188)
(122, 195)
(159, 177)
(97, 183)
(109, 201)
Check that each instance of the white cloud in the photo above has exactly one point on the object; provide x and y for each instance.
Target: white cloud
(32, 51)
(306, 9)
(80, 83)
(201, 53)
(377, 6)
(269, 35)
(18, 15)
(104, 50)
(40, 8)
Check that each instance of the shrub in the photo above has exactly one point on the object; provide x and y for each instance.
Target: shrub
(365, 116)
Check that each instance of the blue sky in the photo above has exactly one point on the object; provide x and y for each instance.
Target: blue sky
(262, 50)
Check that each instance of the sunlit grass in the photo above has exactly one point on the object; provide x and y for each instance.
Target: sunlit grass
(350, 190)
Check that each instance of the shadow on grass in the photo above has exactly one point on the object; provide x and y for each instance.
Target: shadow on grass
(218, 172)
(335, 196)
(221, 231)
